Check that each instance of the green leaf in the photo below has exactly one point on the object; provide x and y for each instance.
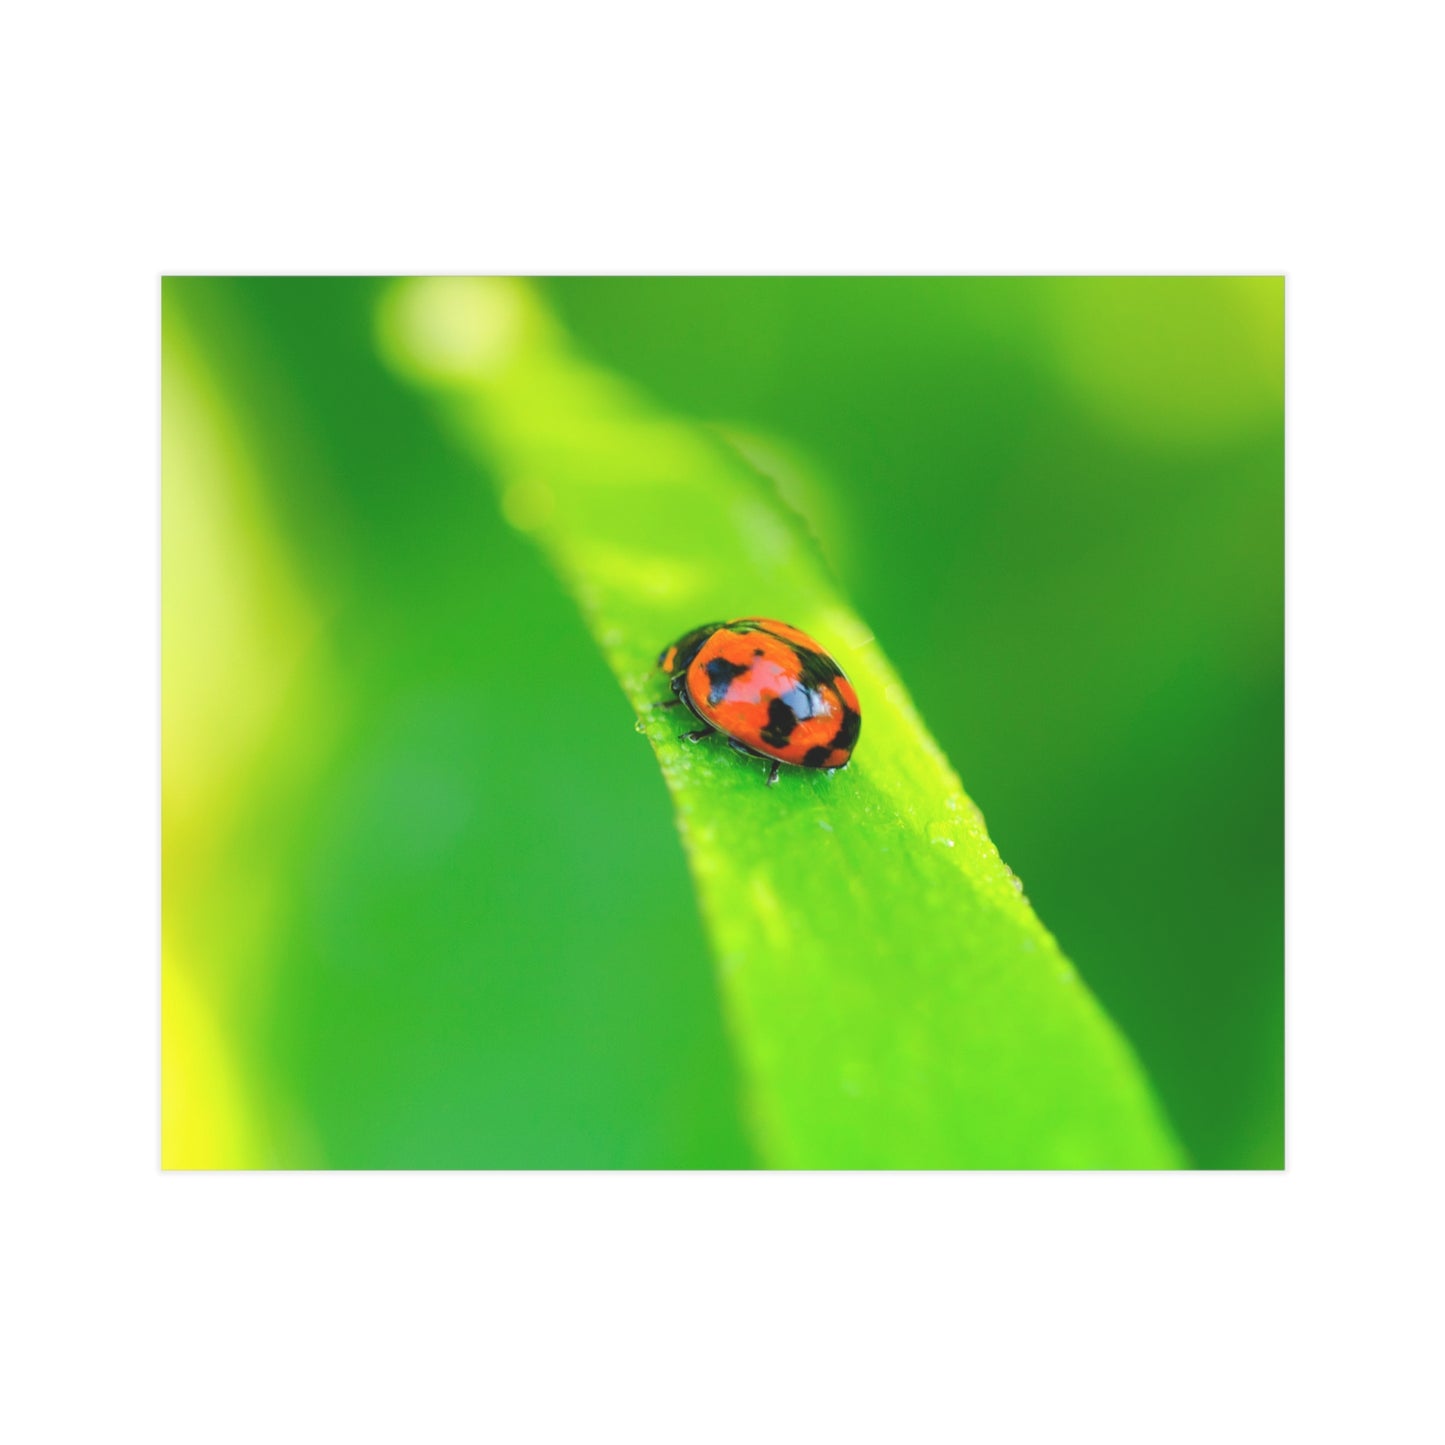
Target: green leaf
(892, 997)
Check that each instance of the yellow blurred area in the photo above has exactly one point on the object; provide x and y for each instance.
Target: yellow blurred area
(452, 330)
(1174, 360)
(235, 627)
(204, 1118)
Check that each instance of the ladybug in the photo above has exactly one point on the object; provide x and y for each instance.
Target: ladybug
(769, 689)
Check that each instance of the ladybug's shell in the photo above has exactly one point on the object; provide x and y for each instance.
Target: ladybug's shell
(776, 691)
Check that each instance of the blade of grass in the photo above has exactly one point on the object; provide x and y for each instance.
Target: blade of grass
(893, 998)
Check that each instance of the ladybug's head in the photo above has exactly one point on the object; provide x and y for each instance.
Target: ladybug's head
(677, 658)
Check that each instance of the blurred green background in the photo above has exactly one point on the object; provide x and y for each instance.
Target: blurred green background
(424, 905)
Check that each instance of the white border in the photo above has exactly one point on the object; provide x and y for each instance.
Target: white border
(542, 1307)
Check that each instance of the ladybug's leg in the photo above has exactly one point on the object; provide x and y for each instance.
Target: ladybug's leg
(699, 735)
(671, 702)
(748, 752)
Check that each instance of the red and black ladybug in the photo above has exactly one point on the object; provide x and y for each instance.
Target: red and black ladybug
(769, 689)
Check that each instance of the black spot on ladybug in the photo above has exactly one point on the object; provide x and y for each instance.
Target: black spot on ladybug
(757, 652)
(813, 667)
(720, 674)
(686, 648)
(781, 722)
(815, 757)
(847, 734)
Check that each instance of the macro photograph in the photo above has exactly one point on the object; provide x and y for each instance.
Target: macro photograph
(722, 722)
